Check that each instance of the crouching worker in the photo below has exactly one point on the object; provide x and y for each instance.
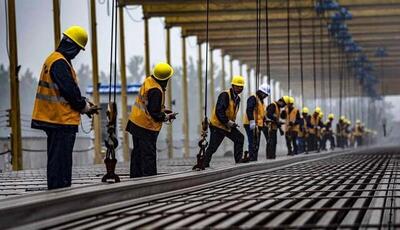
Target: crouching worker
(146, 119)
(222, 123)
(59, 105)
(253, 120)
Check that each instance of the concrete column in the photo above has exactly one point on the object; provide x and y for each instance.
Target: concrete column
(170, 139)
(124, 98)
(56, 22)
(211, 89)
(15, 113)
(200, 81)
(223, 72)
(146, 46)
(98, 157)
(185, 95)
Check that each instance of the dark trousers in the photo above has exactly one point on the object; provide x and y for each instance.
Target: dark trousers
(328, 137)
(291, 142)
(60, 144)
(358, 140)
(254, 147)
(302, 144)
(312, 142)
(217, 135)
(271, 143)
(144, 153)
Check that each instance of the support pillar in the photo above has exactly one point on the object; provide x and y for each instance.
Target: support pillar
(146, 46)
(186, 148)
(231, 68)
(223, 86)
(211, 75)
(170, 139)
(56, 22)
(15, 114)
(98, 157)
(124, 98)
(200, 81)
(248, 81)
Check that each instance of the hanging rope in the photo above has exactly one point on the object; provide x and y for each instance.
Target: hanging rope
(288, 43)
(203, 139)
(321, 37)
(340, 65)
(330, 72)
(258, 42)
(301, 56)
(313, 51)
(267, 53)
(111, 142)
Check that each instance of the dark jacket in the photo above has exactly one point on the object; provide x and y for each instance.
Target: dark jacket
(223, 103)
(298, 118)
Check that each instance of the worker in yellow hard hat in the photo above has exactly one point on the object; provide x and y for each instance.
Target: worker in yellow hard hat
(274, 124)
(291, 115)
(303, 133)
(253, 120)
(223, 121)
(340, 132)
(328, 133)
(358, 132)
(316, 125)
(59, 105)
(146, 119)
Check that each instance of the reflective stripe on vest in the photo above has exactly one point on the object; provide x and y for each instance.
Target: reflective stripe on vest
(230, 112)
(258, 114)
(139, 114)
(50, 106)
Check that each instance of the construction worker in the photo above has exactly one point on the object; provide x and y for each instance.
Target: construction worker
(358, 132)
(291, 115)
(274, 124)
(146, 119)
(328, 133)
(303, 133)
(340, 131)
(348, 137)
(223, 122)
(316, 124)
(59, 105)
(321, 133)
(253, 120)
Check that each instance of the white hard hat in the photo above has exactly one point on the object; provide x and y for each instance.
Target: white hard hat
(265, 89)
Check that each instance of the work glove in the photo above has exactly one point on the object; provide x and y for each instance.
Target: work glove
(167, 111)
(252, 124)
(231, 124)
(170, 116)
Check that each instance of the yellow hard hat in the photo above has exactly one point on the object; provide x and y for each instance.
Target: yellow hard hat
(342, 118)
(331, 116)
(317, 110)
(291, 100)
(305, 110)
(321, 115)
(286, 99)
(163, 71)
(238, 81)
(348, 122)
(78, 35)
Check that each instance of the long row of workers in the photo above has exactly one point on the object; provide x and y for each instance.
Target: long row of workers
(59, 105)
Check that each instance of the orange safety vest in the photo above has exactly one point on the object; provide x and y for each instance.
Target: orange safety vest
(272, 125)
(139, 114)
(358, 131)
(230, 112)
(258, 113)
(304, 132)
(50, 106)
(314, 122)
(291, 117)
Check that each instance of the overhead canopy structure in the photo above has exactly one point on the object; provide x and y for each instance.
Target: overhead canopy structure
(232, 29)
